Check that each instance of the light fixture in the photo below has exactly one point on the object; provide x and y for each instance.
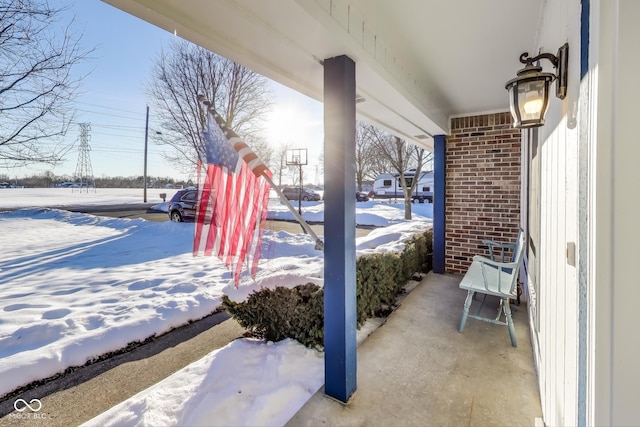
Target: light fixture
(529, 92)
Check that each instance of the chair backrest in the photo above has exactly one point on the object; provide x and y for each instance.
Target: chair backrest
(518, 254)
(519, 245)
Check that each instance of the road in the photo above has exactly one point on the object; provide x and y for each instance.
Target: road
(144, 211)
(139, 210)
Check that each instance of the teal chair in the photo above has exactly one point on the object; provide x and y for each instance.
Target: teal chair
(497, 278)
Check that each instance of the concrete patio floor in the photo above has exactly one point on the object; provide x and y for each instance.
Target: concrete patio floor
(417, 370)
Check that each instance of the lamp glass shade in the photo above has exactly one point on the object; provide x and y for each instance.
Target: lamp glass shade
(529, 98)
(533, 99)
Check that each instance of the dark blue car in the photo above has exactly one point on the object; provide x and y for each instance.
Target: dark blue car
(182, 206)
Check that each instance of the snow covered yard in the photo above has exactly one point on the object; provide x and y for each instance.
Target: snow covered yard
(75, 286)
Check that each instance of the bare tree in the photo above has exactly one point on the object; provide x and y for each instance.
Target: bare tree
(239, 95)
(368, 164)
(37, 87)
(279, 163)
(400, 156)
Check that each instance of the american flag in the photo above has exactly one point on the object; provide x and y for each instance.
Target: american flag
(232, 200)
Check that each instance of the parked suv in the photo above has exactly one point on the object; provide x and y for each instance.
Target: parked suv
(293, 193)
(182, 206)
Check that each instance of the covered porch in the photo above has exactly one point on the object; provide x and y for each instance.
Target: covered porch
(434, 74)
(392, 66)
(416, 369)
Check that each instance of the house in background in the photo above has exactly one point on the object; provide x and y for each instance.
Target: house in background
(434, 73)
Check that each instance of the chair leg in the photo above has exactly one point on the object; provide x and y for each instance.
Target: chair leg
(507, 314)
(500, 310)
(484, 298)
(465, 311)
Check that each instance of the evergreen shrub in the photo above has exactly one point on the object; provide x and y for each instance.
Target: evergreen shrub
(298, 313)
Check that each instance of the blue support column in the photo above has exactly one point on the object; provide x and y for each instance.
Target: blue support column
(339, 225)
(439, 179)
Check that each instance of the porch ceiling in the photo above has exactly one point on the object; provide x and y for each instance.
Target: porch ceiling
(418, 62)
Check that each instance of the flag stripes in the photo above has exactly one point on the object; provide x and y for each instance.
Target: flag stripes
(232, 203)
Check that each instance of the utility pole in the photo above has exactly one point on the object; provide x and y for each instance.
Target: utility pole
(146, 143)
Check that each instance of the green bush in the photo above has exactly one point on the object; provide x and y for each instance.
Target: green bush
(298, 312)
(282, 313)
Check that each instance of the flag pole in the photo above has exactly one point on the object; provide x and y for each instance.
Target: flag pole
(319, 243)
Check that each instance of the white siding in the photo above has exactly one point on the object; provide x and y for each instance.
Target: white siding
(556, 341)
(587, 347)
(558, 287)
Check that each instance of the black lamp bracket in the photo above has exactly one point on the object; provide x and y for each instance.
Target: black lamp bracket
(559, 61)
(529, 61)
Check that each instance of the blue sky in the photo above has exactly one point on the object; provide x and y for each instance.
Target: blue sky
(113, 99)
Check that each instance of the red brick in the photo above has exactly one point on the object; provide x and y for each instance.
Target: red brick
(482, 186)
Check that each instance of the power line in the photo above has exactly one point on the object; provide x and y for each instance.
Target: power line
(108, 108)
(116, 136)
(121, 116)
(121, 127)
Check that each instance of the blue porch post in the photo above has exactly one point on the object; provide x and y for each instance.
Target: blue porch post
(439, 175)
(339, 225)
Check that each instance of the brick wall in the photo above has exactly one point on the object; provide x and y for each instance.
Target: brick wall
(482, 186)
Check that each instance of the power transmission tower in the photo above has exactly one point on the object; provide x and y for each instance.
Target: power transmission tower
(84, 171)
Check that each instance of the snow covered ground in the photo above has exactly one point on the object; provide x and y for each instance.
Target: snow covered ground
(74, 286)
(30, 197)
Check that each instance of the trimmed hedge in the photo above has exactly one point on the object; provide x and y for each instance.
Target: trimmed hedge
(298, 313)
(282, 313)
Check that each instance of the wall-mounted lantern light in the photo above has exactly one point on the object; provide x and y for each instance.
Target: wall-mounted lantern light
(529, 92)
